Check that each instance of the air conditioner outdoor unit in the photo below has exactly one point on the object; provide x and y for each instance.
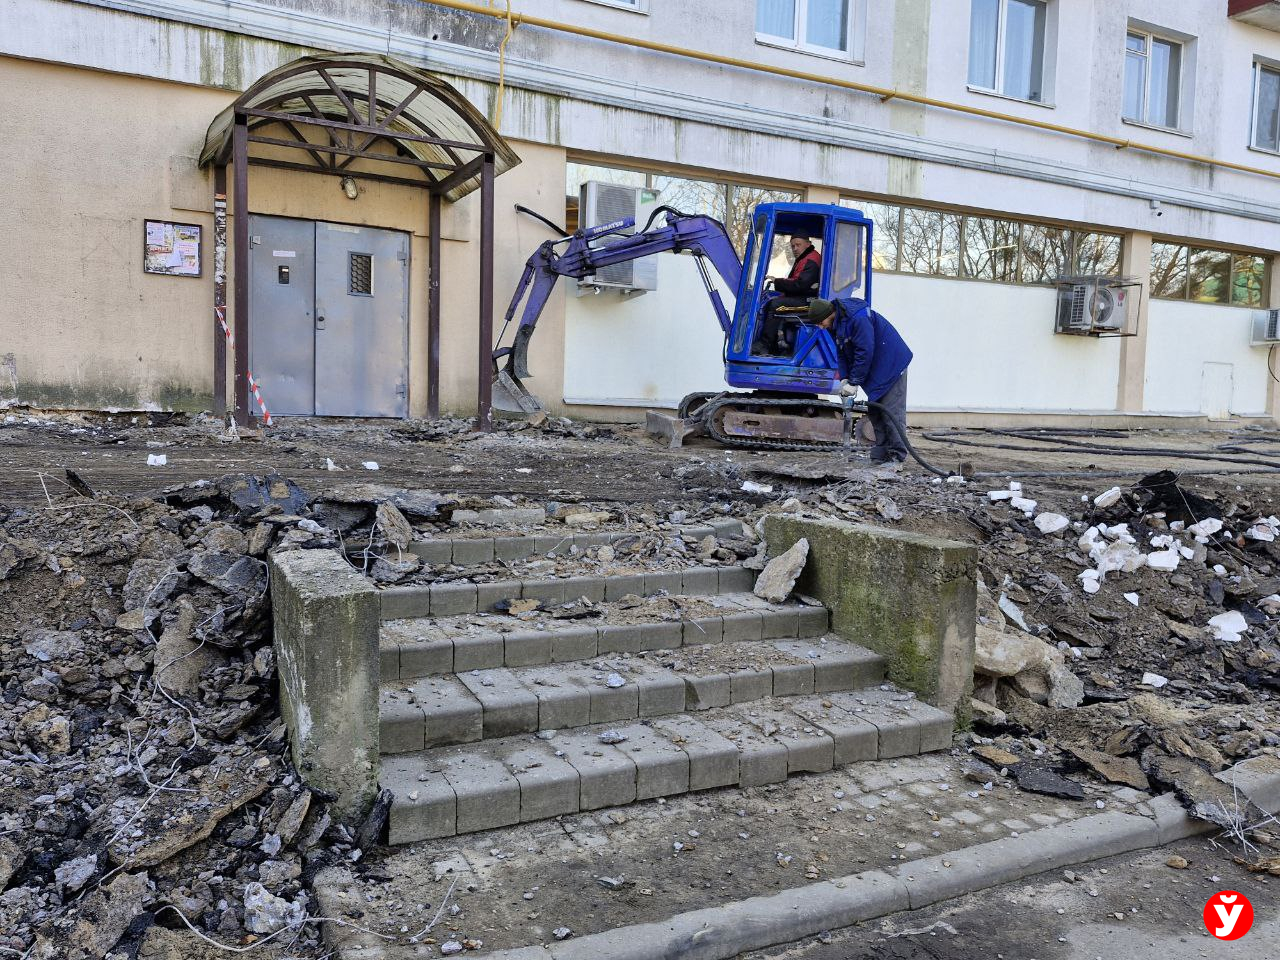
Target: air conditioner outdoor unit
(1096, 306)
(600, 203)
(1266, 328)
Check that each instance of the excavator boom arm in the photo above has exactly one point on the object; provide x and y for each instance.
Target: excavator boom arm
(702, 236)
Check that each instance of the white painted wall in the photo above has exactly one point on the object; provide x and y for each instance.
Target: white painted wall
(649, 350)
(1182, 338)
(991, 346)
(977, 346)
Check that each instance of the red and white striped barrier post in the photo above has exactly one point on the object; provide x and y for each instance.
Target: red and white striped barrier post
(253, 384)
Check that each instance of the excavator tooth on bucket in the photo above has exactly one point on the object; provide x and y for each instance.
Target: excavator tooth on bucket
(510, 395)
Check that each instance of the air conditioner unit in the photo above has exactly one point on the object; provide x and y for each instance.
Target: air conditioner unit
(600, 203)
(1096, 306)
(1266, 328)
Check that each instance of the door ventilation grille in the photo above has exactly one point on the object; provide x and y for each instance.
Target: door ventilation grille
(360, 275)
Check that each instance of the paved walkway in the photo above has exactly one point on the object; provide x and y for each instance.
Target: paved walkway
(649, 861)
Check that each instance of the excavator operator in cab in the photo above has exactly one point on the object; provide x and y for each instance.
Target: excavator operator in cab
(797, 289)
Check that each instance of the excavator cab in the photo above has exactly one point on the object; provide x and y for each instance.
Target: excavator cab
(843, 238)
(779, 401)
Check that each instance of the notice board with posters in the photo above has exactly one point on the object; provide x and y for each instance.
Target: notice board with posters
(172, 249)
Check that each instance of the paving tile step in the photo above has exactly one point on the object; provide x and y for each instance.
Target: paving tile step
(451, 598)
(496, 783)
(500, 702)
(423, 647)
(465, 551)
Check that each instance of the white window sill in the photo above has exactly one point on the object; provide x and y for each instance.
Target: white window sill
(820, 52)
(641, 6)
(1004, 96)
(1157, 127)
(1267, 150)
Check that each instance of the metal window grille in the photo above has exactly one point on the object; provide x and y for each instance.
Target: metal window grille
(360, 275)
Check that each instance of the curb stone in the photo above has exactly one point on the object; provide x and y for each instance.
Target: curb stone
(721, 933)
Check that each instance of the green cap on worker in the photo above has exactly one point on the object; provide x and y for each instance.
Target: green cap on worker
(820, 309)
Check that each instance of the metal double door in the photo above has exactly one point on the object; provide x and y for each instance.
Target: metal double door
(329, 318)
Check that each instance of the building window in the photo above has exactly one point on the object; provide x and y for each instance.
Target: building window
(886, 218)
(1169, 271)
(1098, 254)
(1046, 253)
(639, 6)
(937, 243)
(930, 242)
(1007, 47)
(1152, 79)
(1266, 107)
(1201, 275)
(991, 249)
(818, 26)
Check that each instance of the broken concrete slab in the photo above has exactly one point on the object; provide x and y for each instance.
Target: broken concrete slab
(175, 821)
(1123, 770)
(778, 578)
(394, 526)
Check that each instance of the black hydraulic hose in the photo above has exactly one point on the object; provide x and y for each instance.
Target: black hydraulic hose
(537, 216)
(901, 430)
(1077, 447)
(1110, 474)
(668, 210)
(1042, 435)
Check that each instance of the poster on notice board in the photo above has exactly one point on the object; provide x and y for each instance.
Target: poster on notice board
(172, 249)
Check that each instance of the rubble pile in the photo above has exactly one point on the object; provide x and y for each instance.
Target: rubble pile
(377, 523)
(1128, 634)
(142, 756)
(143, 763)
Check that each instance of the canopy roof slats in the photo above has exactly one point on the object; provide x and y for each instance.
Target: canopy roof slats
(353, 103)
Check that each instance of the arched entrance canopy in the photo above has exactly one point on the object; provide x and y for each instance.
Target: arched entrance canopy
(368, 117)
(359, 106)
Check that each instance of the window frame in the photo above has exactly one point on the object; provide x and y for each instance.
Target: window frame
(1149, 37)
(855, 38)
(630, 6)
(1002, 19)
(1259, 65)
(1077, 231)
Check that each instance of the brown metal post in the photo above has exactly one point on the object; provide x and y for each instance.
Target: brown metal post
(433, 306)
(220, 289)
(484, 390)
(240, 174)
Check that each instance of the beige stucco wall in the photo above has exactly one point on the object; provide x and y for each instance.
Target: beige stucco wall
(100, 153)
(89, 162)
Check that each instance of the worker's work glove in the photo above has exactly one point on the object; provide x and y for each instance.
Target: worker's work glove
(848, 389)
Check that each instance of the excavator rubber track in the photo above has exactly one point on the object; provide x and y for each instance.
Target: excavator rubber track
(711, 411)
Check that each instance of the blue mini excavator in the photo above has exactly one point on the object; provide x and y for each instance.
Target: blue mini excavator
(779, 401)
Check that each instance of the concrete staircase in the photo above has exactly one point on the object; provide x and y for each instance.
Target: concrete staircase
(485, 726)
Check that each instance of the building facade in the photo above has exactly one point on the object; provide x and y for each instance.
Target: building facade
(996, 144)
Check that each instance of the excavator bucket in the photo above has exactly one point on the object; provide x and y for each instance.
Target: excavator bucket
(510, 395)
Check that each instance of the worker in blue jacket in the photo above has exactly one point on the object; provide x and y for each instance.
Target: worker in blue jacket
(873, 356)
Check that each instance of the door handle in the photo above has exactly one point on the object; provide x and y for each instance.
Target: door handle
(319, 323)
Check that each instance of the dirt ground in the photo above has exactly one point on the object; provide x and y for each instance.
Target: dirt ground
(517, 886)
(605, 462)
